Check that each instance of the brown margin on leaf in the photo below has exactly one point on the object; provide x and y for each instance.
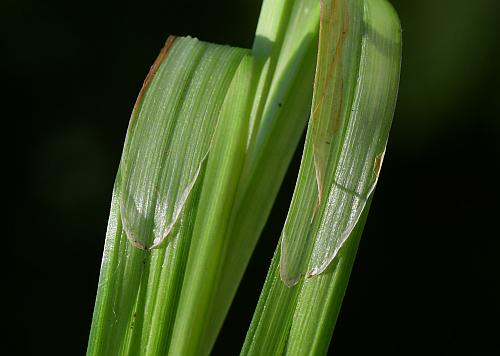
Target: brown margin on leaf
(152, 71)
(377, 165)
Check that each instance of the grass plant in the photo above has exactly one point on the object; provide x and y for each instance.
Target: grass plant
(209, 141)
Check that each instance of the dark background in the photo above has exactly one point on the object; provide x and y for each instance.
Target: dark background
(427, 276)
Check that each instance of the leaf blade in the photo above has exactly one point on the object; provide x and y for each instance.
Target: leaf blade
(367, 130)
(139, 287)
(156, 183)
(348, 133)
(210, 237)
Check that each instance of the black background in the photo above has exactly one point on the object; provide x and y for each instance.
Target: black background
(427, 276)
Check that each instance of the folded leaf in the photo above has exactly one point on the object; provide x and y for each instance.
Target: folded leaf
(353, 103)
(174, 118)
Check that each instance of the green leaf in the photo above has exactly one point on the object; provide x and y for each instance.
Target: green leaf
(209, 141)
(284, 118)
(169, 123)
(139, 290)
(168, 143)
(325, 229)
(210, 238)
(354, 96)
